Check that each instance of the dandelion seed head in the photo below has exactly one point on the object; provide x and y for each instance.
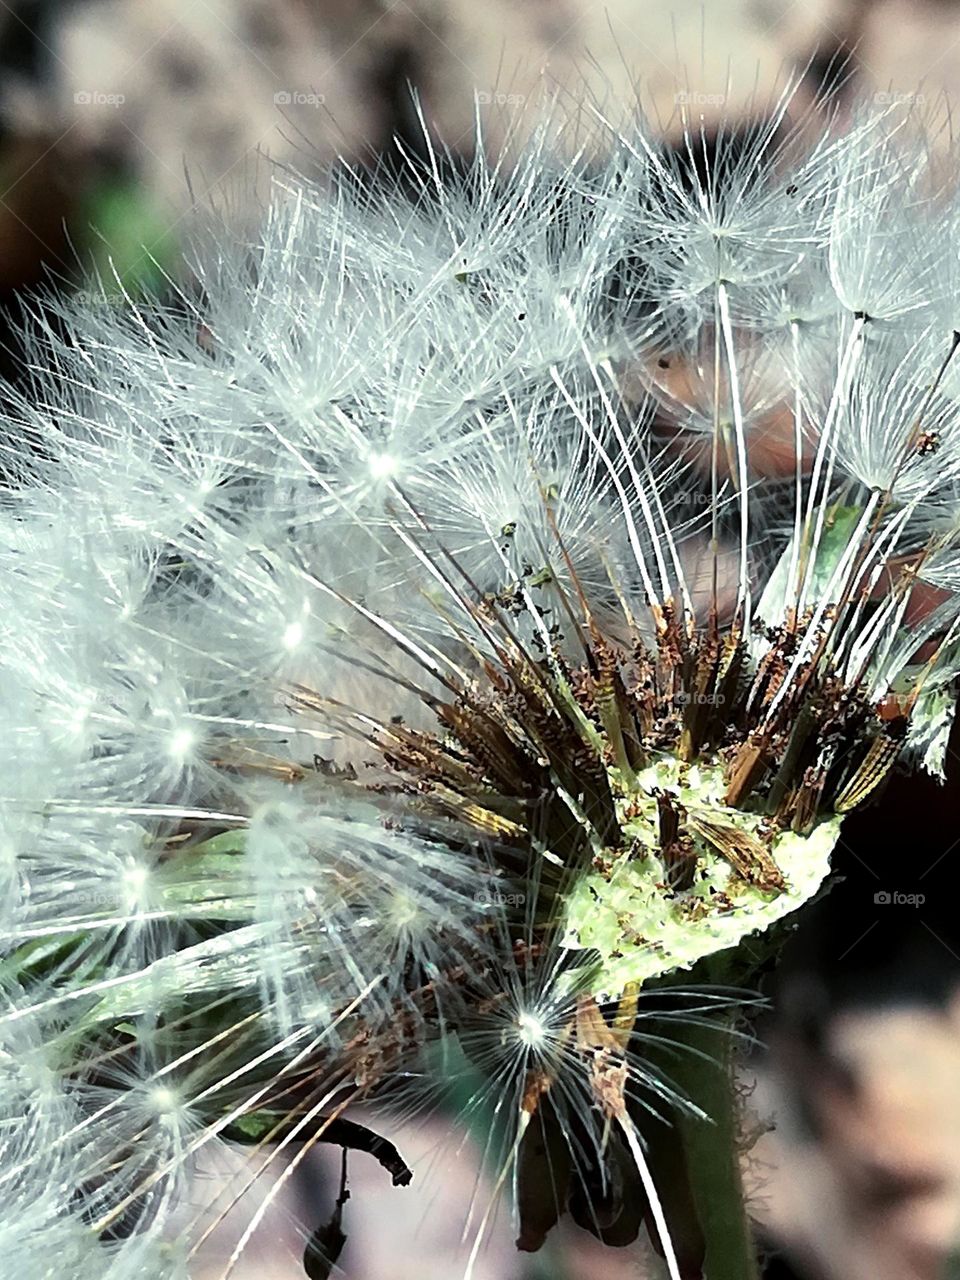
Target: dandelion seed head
(451, 613)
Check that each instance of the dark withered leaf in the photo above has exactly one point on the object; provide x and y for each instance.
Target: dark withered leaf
(357, 1137)
(544, 1164)
(323, 1249)
(339, 1133)
(608, 1200)
(325, 1245)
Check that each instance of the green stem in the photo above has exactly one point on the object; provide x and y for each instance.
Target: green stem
(712, 1150)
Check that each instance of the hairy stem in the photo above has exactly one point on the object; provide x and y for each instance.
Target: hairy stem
(712, 1150)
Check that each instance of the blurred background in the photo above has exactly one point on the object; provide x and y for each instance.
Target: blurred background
(123, 123)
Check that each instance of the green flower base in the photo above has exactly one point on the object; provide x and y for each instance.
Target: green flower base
(627, 912)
